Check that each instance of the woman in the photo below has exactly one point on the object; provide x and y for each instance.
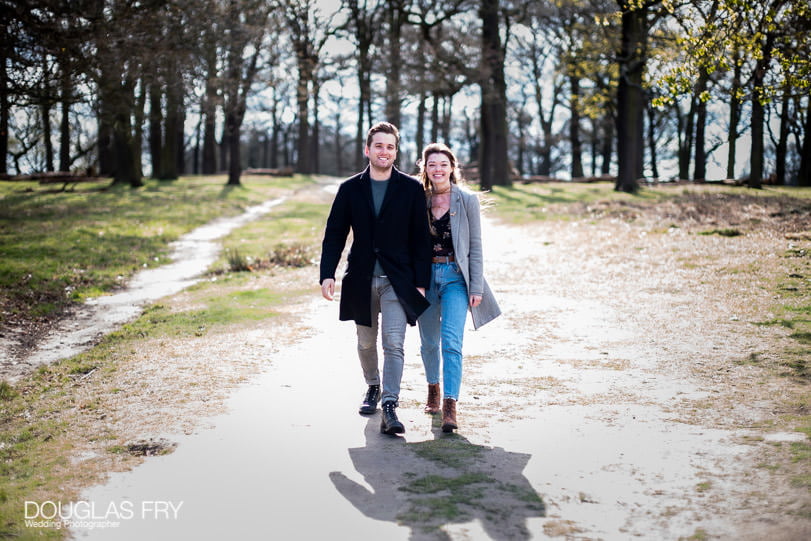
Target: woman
(457, 280)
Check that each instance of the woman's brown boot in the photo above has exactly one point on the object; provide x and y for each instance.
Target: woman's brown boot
(432, 404)
(449, 415)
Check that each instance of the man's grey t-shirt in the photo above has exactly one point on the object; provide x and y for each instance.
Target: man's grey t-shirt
(378, 193)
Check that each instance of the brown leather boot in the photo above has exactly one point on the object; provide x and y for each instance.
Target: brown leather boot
(432, 404)
(449, 415)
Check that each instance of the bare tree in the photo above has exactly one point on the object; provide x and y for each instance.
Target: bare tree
(245, 26)
(362, 24)
(309, 31)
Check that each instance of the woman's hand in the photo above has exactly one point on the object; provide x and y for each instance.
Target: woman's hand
(475, 300)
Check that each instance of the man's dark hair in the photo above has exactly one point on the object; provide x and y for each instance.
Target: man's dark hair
(383, 127)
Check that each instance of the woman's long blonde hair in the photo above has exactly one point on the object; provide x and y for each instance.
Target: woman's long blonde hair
(438, 148)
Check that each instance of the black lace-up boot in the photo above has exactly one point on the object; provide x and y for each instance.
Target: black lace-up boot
(389, 424)
(369, 405)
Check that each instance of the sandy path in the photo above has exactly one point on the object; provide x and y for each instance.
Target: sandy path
(609, 390)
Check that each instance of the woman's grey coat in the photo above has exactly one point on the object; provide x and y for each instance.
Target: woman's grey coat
(466, 232)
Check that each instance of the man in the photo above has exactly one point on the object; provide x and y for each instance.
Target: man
(389, 265)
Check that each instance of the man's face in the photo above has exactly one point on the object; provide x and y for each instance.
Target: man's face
(383, 151)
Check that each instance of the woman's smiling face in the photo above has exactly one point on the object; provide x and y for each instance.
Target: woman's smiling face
(438, 168)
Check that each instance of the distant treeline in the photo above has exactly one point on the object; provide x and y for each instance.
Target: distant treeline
(634, 89)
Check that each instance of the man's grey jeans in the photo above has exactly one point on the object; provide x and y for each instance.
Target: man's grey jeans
(393, 324)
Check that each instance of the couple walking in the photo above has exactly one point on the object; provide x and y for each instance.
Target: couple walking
(416, 256)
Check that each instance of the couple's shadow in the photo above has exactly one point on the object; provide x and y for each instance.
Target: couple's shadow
(429, 485)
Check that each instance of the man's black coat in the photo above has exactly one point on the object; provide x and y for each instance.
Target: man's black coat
(398, 237)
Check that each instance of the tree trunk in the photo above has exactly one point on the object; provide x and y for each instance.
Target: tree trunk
(231, 135)
(607, 146)
(138, 118)
(127, 171)
(700, 171)
(574, 127)
(700, 160)
(396, 11)
(45, 110)
(686, 143)
(654, 160)
(209, 111)
(224, 148)
(758, 114)
(756, 161)
(804, 174)
(545, 152)
(107, 158)
(4, 112)
(155, 126)
(64, 125)
(168, 162)
(781, 148)
(208, 164)
(630, 96)
(734, 115)
(274, 136)
(420, 137)
(364, 79)
(493, 161)
(446, 118)
(435, 117)
(304, 162)
(198, 138)
(314, 140)
(339, 155)
(180, 153)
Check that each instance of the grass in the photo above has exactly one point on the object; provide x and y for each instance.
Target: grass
(45, 417)
(57, 248)
(523, 203)
(289, 236)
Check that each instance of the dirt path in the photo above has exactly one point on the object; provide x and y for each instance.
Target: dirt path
(611, 401)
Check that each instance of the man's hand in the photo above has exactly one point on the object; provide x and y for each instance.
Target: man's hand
(328, 289)
(475, 300)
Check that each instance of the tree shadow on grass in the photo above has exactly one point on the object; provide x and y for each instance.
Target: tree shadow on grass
(430, 485)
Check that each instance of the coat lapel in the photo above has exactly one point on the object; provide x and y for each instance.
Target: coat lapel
(455, 209)
(366, 183)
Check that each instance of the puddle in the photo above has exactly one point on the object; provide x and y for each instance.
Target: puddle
(191, 254)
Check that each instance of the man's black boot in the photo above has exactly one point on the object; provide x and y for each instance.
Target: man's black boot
(389, 424)
(369, 405)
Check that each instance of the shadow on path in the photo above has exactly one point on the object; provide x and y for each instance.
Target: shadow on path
(429, 485)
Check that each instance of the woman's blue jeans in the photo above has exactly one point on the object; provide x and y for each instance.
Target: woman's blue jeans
(442, 327)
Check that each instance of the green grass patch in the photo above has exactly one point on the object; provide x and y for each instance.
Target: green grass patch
(43, 417)
(57, 248)
(523, 203)
(452, 451)
(221, 308)
(288, 236)
(704, 486)
(699, 535)
(461, 486)
(724, 232)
